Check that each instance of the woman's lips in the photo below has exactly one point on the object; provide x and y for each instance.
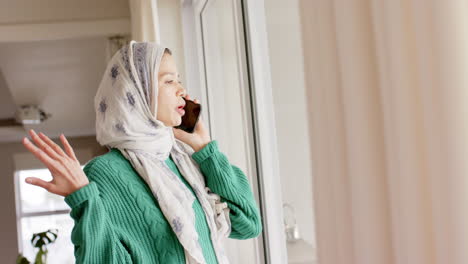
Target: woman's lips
(181, 111)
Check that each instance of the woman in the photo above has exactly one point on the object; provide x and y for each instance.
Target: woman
(160, 195)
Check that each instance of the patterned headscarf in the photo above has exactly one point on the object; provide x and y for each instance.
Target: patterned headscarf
(126, 108)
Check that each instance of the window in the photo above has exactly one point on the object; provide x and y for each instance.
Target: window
(37, 211)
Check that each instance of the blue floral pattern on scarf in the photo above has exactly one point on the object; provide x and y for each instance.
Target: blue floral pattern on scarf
(114, 71)
(119, 127)
(139, 54)
(130, 99)
(102, 106)
(177, 224)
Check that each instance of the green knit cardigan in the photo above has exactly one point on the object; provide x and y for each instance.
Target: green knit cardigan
(118, 220)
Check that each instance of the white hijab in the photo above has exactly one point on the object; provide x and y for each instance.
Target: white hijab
(126, 108)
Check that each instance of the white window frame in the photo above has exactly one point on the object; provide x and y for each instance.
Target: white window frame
(269, 182)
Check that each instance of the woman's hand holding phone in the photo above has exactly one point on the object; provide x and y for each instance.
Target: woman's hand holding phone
(200, 136)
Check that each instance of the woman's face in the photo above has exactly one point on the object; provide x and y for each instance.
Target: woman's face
(170, 92)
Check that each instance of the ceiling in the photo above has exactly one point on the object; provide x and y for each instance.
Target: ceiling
(61, 76)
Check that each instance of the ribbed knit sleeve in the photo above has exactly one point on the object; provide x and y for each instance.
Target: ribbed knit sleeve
(231, 184)
(93, 236)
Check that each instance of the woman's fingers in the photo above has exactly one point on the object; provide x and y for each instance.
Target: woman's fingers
(195, 100)
(67, 147)
(38, 182)
(41, 155)
(44, 146)
(52, 144)
(68, 176)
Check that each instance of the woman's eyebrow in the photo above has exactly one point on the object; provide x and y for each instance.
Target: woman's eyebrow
(170, 73)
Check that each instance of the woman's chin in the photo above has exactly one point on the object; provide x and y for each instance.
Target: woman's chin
(178, 122)
(173, 122)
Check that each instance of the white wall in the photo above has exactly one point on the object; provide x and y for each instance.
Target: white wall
(289, 92)
(27, 11)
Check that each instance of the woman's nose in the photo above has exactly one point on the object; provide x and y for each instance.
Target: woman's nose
(182, 92)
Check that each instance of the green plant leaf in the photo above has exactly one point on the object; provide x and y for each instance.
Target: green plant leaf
(40, 241)
(22, 260)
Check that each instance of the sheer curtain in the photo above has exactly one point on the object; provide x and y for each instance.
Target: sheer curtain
(144, 17)
(388, 86)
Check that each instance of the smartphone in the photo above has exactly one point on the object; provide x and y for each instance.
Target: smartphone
(191, 116)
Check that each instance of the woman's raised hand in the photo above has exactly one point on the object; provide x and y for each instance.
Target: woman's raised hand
(63, 165)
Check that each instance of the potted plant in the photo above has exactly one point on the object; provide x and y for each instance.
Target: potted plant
(40, 241)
